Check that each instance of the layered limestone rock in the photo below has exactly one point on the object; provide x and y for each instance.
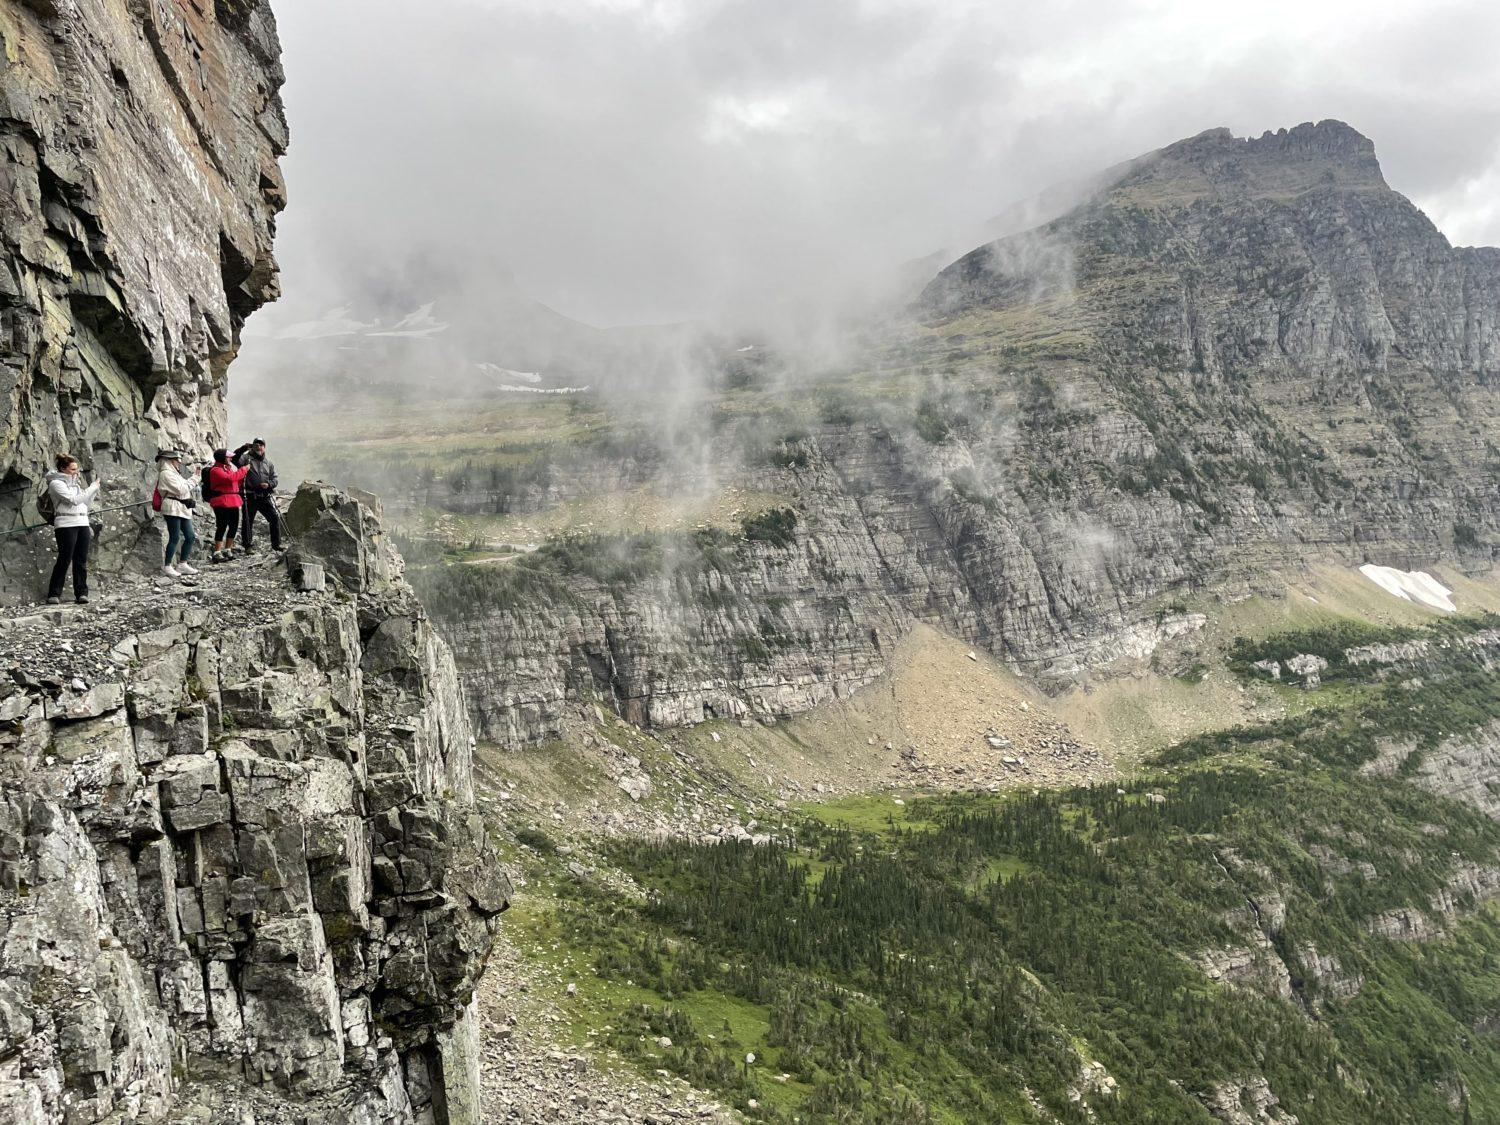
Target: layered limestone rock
(140, 187)
(1464, 767)
(731, 627)
(1238, 356)
(1468, 886)
(241, 874)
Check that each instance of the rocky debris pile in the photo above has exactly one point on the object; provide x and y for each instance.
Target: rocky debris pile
(648, 787)
(1032, 751)
(240, 869)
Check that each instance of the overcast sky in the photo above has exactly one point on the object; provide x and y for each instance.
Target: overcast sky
(638, 161)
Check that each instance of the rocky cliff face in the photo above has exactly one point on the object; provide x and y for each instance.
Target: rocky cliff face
(1238, 356)
(241, 876)
(675, 630)
(140, 188)
(1283, 251)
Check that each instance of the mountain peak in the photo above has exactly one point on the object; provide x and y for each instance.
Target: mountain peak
(1328, 151)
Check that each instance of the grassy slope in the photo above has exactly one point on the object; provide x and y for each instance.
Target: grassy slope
(958, 958)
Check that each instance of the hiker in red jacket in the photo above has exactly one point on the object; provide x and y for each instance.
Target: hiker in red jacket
(225, 499)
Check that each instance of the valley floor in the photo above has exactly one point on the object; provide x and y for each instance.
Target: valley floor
(667, 877)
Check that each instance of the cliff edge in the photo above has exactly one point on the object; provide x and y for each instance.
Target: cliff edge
(138, 157)
(241, 875)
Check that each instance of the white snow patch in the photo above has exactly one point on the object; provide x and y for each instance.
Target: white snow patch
(541, 390)
(1413, 586)
(335, 322)
(417, 325)
(506, 373)
(341, 321)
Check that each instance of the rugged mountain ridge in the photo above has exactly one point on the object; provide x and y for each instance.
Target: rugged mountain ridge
(1237, 358)
(1234, 358)
(1286, 250)
(141, 187)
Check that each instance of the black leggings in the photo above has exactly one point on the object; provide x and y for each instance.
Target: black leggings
(72, 550)
(226, 523)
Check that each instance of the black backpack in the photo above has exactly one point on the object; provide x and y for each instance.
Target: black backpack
(208, 488)
(46, 506)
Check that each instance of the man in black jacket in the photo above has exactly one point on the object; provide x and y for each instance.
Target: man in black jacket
(260, 491)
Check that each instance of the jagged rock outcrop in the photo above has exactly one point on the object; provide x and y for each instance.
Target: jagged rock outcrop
(241, 873)
(1247, 1102)
(1330, 979)
(140, 188)
(1464, 767)
(1468, 886)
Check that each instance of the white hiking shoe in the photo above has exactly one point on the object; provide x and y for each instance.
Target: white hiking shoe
(171, 572)
(184, 568)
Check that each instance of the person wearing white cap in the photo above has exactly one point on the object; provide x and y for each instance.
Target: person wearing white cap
(176, 507)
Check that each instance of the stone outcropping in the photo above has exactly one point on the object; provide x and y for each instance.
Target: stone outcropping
(138, 160)
(241, 873)
(1247, 1102)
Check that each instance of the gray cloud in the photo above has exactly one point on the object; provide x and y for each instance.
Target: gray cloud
(657, 160)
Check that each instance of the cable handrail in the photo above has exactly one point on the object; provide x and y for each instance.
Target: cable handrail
(92, 512)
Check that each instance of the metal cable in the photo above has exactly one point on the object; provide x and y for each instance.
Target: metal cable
(92, 512)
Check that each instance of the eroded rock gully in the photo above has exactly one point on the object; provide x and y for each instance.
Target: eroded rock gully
(241, 873)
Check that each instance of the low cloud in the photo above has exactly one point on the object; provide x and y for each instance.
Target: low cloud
(648, 161)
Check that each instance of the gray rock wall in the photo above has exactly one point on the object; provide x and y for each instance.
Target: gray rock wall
(240, 866)
(138, 192)
(1240, 357)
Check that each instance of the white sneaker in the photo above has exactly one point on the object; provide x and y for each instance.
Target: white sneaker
(171, 572)
(184, 568)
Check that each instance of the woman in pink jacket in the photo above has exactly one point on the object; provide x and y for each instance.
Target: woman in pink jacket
(225, 499)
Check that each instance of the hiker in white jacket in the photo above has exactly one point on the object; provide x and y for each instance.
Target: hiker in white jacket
(177, 506)
(70, 523)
